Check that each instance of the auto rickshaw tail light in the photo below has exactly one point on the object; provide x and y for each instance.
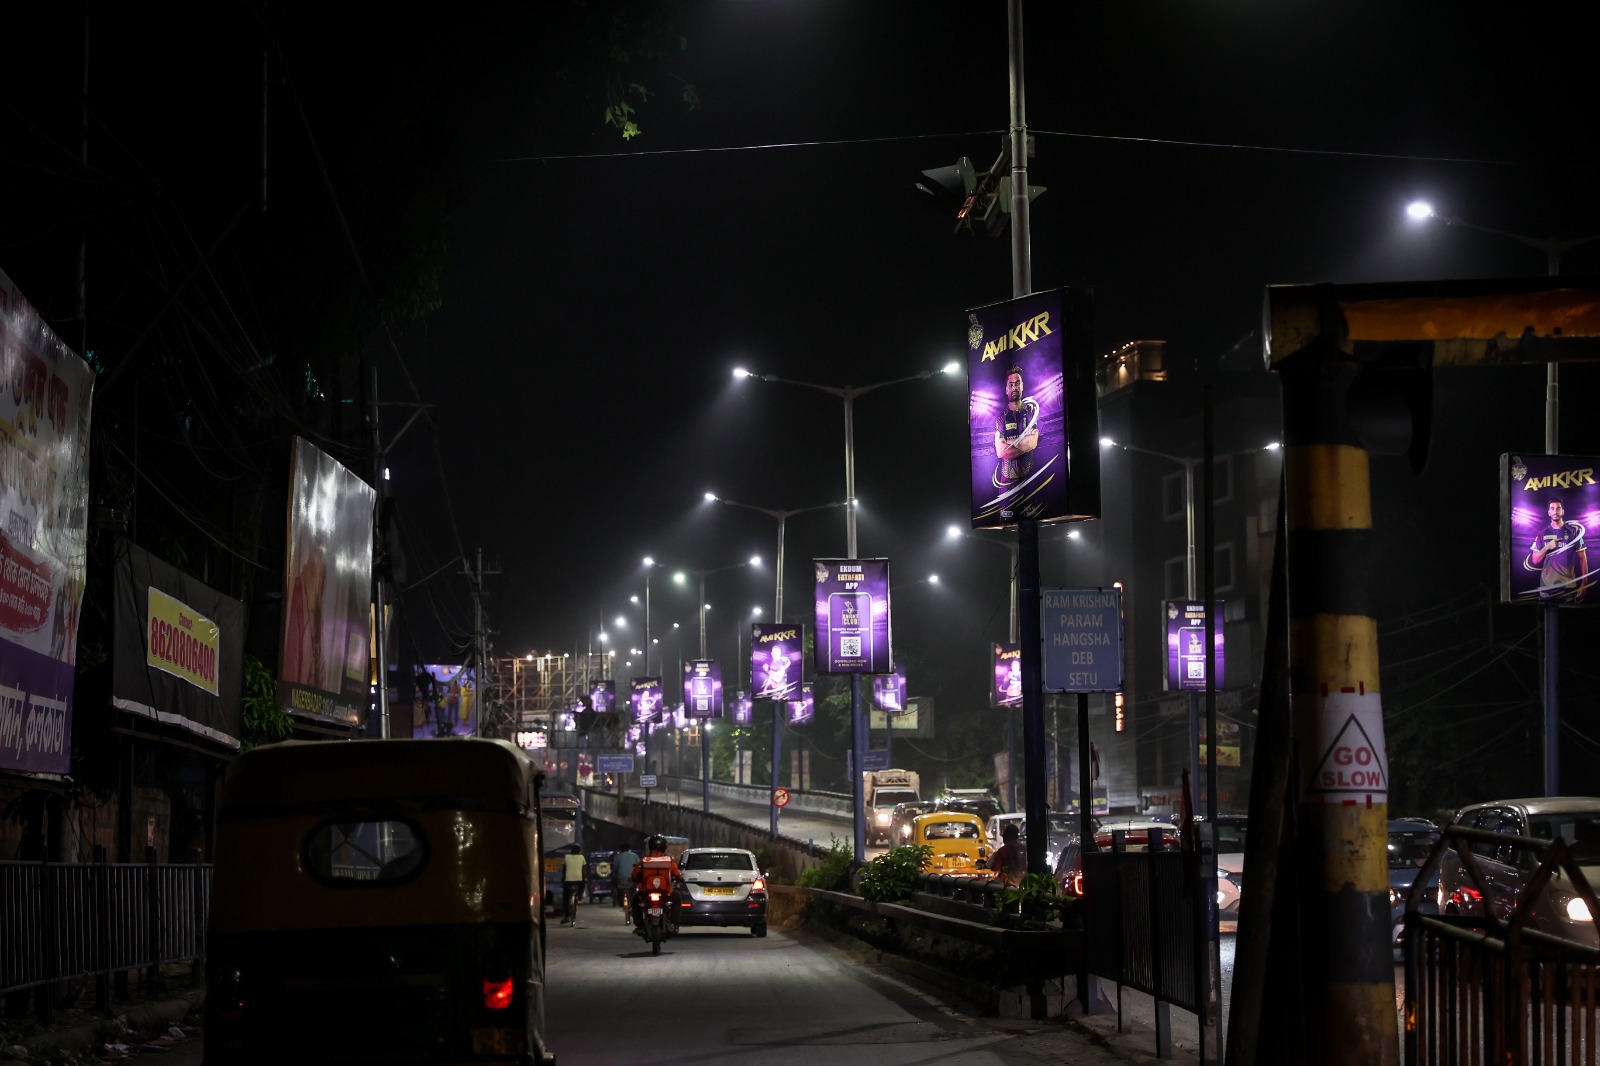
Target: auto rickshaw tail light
(497, 995)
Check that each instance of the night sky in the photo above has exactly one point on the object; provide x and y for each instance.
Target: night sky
(595, 293)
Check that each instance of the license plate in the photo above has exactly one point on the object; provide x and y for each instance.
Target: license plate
(655, 910)
(718, 891)
(496, 1042)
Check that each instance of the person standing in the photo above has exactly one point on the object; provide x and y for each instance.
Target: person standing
(1561, 557)
(571, 884)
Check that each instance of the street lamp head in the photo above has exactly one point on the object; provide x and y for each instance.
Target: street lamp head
(741, 372)
(952, 367)
(1074, 534)
(633, 599)
(1419, 210)
(675, 625)
(604, 637)
(678, 578)
(711, 497)
(1271, 446)
(933, 579)
(621, 622)
(1107, 442)
(755, 612)
(952, 531)
(755, 560)
(649, 561)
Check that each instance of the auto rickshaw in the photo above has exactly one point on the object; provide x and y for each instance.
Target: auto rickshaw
(597, 876)
(377, 901)
(956, 839)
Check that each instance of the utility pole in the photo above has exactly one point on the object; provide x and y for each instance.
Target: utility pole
(381, 573)
(480, 636)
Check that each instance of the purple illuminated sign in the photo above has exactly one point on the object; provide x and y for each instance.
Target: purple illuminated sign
(742, 707)
(852, 606)
(702, 688)
(889, 691)
(1186, 644)
(775, 660)
(1031, 410)
(1005, 689)
(1548, 504)
(646, 699)
(803, 709)
(603, 696)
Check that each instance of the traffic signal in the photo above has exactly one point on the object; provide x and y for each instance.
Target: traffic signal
(975, 197)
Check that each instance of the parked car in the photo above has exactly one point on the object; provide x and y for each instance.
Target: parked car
(904, 815)
(1137, 834)
(975, 801)
(956, 839)
(1506, 870)
(1411, 841)
(722, 886)
(1230, 833)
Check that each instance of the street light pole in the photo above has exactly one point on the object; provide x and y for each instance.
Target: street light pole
(705, 749)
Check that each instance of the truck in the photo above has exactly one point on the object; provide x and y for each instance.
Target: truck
(881, 791)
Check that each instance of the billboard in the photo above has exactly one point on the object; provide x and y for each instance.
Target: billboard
(1548, 504)
(446, 702)
(1031, 410)
(324, 668)
(702, 688)
(775, 660)
(889, 691)
(1005, 687)
(603, 696)
(646, 699)
(177, 647)
(44, 495)
(743, 706)
(803, 709)
(852, 612)
(1186, 645)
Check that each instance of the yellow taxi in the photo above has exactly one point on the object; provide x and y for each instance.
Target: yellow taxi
(956, 840)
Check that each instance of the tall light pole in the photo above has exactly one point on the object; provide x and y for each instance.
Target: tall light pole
(1552, 247)
(650, 567)
(777, 614)
(739, 665)
(848, 394)
(888, 719)
(705, 749)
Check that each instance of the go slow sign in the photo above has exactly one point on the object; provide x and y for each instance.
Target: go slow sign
(1082, 631)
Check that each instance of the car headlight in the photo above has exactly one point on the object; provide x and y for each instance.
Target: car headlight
(1577, 910)
(1396, 897)
(883, 817)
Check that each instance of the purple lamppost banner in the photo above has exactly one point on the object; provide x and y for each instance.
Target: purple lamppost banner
(1031, 410)
(889, 691)
(803, 709)
(603, 696)
(680, 718)
(702, 688)
(852, 607)
(743, 705)
(1007, 688)
(646, 699)
(1186, 645)
(775, 663)
(1548, 504)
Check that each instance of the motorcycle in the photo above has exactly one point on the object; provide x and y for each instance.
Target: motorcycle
(656, 922)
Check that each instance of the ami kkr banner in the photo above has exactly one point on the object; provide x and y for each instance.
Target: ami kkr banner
(324, 663)
(44, 491)
(177, 648)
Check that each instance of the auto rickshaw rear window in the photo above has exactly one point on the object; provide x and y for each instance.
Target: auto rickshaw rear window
(949, 830)
(364, 852)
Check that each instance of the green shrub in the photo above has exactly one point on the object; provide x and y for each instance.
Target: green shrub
(833, 874)
(892, 876)
(1037, 898)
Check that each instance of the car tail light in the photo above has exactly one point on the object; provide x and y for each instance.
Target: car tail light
(758, 885)
(497, 994)
(1077, 882)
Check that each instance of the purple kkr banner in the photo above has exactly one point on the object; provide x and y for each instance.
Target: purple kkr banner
(1186, 644)
(445, 702)
(775, 666)
(889, 691)
(1006, 690)
(1548, 504)
(680, 717)
(603, 696)
(702, 688)
(646, 699)
(803, 709)
(852, 606)
(743, 705)
(1031, 410)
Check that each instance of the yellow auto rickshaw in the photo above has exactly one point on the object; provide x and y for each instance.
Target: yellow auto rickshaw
(956, 839)
(377, 901)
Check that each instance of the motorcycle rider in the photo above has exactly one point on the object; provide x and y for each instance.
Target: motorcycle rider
(656, 872)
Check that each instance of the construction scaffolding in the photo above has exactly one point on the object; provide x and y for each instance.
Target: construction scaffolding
(533, 692)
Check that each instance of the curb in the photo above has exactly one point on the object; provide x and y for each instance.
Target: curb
(136, 1019)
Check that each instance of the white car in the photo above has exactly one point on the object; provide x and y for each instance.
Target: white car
(722, 886)
(997, 825)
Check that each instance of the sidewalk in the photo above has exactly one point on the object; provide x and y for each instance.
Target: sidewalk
(140, 1023)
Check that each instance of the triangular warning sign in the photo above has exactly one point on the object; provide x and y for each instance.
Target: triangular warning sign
(1352, 763)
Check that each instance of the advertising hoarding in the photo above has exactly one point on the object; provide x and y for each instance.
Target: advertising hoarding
(702, 688)
(803, 709)
(889, 691)
(177, 647)
(1548, 504)
(324, 665)
(446, 702)
(1005, 686)
(852, 613)
(1031, 410)
(646, 700)
(44, 498)
(603, 696)
(775, 660)
(743, 706)
(1186, 644)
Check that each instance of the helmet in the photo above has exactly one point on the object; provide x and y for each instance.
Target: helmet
(655, 843)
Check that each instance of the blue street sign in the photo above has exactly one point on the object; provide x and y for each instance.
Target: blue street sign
(1082, 631)
(613, 764)
(875, 759)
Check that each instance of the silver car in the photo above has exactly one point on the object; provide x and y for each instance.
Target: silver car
(722, 886)
(1507, 869)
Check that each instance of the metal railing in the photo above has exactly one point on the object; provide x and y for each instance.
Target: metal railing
(1481, 988)
(61, 921)
(1142, 925)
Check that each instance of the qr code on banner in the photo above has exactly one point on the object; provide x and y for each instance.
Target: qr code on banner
(850, 647)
